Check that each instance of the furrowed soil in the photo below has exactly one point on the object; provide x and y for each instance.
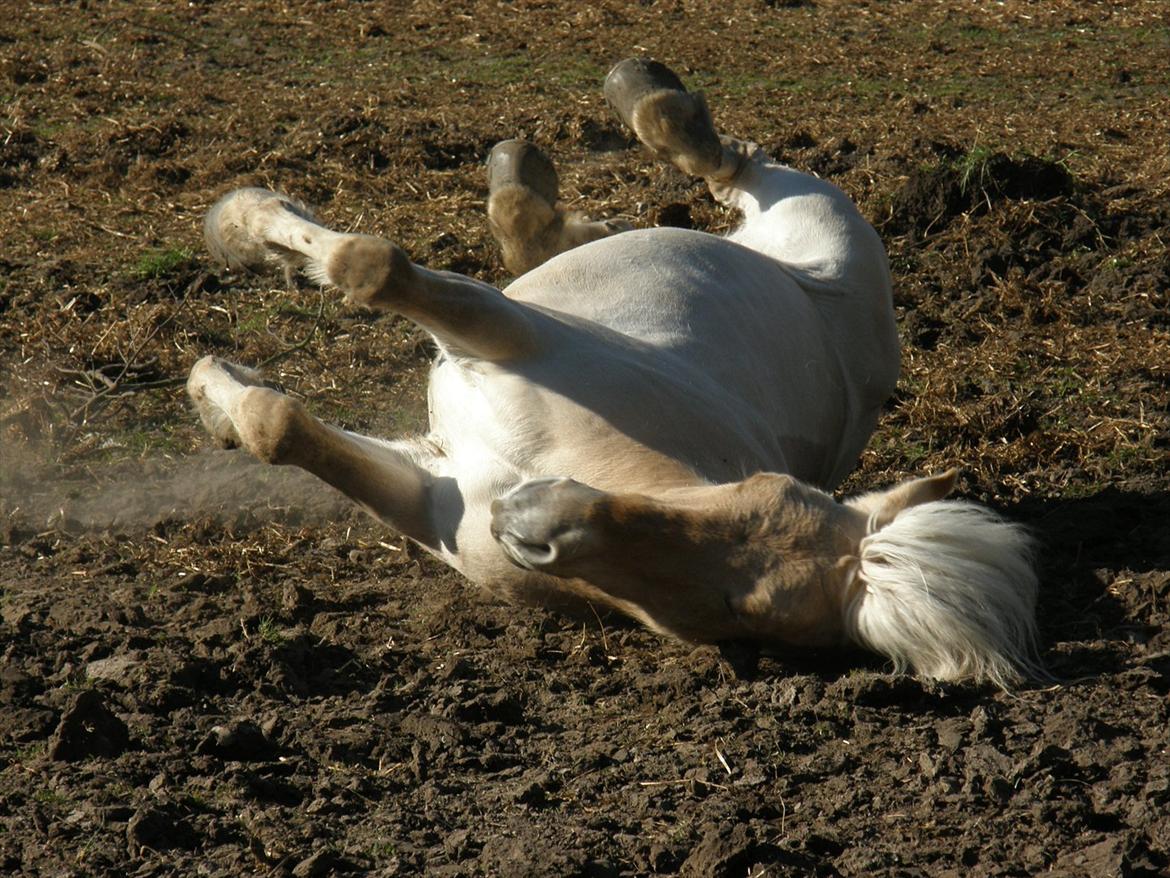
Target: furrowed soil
(210, 667)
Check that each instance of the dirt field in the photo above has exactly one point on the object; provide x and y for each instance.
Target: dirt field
(212, 668)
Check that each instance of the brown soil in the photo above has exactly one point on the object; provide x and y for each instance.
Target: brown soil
(213, 668)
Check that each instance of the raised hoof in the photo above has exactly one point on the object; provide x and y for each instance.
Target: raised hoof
(206, 385)
(519, 163)
(673, 123)
(631, 80)
(233, 231)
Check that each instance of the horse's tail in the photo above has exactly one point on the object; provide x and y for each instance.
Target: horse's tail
(948, 590)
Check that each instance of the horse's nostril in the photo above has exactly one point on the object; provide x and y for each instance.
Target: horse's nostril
(530, 555)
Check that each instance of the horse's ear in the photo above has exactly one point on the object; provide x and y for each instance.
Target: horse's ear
(882, 507)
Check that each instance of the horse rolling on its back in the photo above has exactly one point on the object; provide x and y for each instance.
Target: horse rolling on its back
(649, 420)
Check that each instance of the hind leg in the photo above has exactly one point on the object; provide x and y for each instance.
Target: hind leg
(393, 481)
(807, 225)
(254, 228)
(793, 217)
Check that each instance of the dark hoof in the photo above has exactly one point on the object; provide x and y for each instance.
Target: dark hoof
(671, 122)
(633, 79)
(519, 163)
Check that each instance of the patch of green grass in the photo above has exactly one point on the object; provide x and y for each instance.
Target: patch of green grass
(160, 263)
(1063, 381)
(385, 850)
(978, 33)
(257, 321)
(141, 440)
(51, 130)
(29, 752)
(1082, 489)
(493, 70)
(906, 451)
(1127, 456)
(51, 798)
(269, 631)
(261, 317)
(973, 169)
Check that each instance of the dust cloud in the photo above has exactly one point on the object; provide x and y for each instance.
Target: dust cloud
(228, 487)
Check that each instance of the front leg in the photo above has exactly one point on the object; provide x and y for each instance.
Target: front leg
(525, 218)
(251, 227)
(393, 481)
(463, 314)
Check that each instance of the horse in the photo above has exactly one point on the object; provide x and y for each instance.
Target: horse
(652, 420)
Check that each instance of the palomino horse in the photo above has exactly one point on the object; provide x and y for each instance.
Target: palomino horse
(650, 421)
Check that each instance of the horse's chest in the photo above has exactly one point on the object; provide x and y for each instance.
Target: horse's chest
(483, 417)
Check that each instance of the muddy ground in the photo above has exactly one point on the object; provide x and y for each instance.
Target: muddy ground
(212, 668)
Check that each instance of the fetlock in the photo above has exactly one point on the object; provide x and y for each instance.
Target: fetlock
(272, 426)
(526, 226)
(677, 127)
(735, 155)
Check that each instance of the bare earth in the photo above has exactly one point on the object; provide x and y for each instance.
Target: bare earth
(212, 668)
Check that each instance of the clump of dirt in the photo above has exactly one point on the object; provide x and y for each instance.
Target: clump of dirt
(934, 195)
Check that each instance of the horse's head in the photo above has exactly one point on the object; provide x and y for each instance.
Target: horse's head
(776, 559)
